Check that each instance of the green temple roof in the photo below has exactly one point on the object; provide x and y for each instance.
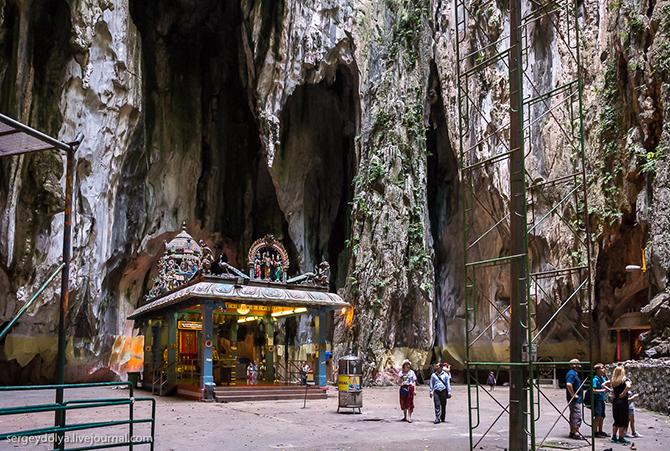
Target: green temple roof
(240, 290)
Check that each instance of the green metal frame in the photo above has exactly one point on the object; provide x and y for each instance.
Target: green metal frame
(60, 407)
(30, 302)
(77, 404)
(477, 57)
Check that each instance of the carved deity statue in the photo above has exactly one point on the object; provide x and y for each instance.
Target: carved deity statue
(257, 266)
(206, 259)
(266, 266)
(323, 273)
(278, 268)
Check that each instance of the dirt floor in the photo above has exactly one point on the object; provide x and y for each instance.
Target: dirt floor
(286, 425)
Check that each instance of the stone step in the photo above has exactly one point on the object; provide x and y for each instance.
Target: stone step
(282, 387)
(264, 389)
(264, 392)
(269, 397)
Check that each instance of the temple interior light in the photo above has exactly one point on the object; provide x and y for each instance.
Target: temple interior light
(243, 309)
(246, 319)
(289, 312)
(282, 313)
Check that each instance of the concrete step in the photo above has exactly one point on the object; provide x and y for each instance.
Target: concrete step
(268, 397)
(264, 386)
(264, 389)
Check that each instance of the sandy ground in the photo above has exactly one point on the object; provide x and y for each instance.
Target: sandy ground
(286, 425)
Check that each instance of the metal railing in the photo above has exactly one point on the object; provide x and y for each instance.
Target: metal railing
(160, 377)
(288, 374)
(190, 370)
(27, 305)
(92, 442)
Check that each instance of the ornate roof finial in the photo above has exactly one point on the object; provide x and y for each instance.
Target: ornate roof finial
(183, 225)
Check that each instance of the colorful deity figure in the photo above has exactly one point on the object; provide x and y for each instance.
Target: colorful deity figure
(266, 266)
(257, 266)
(268, 260)
(206, 258)
(278, 268)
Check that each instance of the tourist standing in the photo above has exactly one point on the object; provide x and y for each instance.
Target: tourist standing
(600, 387)
(250, 373)
(407, 380)
(440, 390)
(491, 381)
(304, 370)
(631, 416)
(261, 371)
(620, 387)
(573, 394)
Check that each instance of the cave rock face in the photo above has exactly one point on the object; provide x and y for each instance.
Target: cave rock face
(331, 125)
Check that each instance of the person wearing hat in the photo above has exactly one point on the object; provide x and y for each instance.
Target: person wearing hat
(407, 381)
(441, 388)
(573, 394)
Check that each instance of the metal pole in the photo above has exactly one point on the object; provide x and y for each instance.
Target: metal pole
(518, 440)
(62, 338)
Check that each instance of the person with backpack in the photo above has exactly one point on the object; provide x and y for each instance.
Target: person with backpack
(600, 386)
(491, 381)
(440, 390)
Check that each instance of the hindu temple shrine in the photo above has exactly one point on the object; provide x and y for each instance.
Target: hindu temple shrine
(199, 306)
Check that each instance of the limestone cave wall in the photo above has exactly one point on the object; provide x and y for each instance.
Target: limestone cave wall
(330, 124)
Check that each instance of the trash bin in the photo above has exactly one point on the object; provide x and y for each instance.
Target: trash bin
(209, 391)
(133, 378)
(350, 394)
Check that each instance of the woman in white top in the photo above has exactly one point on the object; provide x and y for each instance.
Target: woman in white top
(407, 381)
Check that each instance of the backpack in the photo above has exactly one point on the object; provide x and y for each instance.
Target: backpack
(586, 398)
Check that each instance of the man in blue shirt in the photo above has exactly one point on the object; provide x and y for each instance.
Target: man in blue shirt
(573, 394)
(440, 386)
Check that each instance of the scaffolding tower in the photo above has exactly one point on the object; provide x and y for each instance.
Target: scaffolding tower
(520, 88)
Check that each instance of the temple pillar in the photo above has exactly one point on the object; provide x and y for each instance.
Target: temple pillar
(269, 354)
(233, 351)
(207, 312)
(148, 345)
(172, 348)
(156, 347)
(320, 325)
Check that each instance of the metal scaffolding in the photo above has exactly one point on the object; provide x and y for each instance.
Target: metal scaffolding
(519, 87)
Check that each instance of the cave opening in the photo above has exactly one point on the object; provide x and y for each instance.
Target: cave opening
(313, 171)
(198, 101)
(198, 105)
(443, 194)
(315, 168)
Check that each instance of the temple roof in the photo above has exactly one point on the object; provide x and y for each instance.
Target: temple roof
(241, 290)
(631, 321)
(183, 246)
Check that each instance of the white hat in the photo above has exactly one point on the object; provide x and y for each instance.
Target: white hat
(405, 361)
